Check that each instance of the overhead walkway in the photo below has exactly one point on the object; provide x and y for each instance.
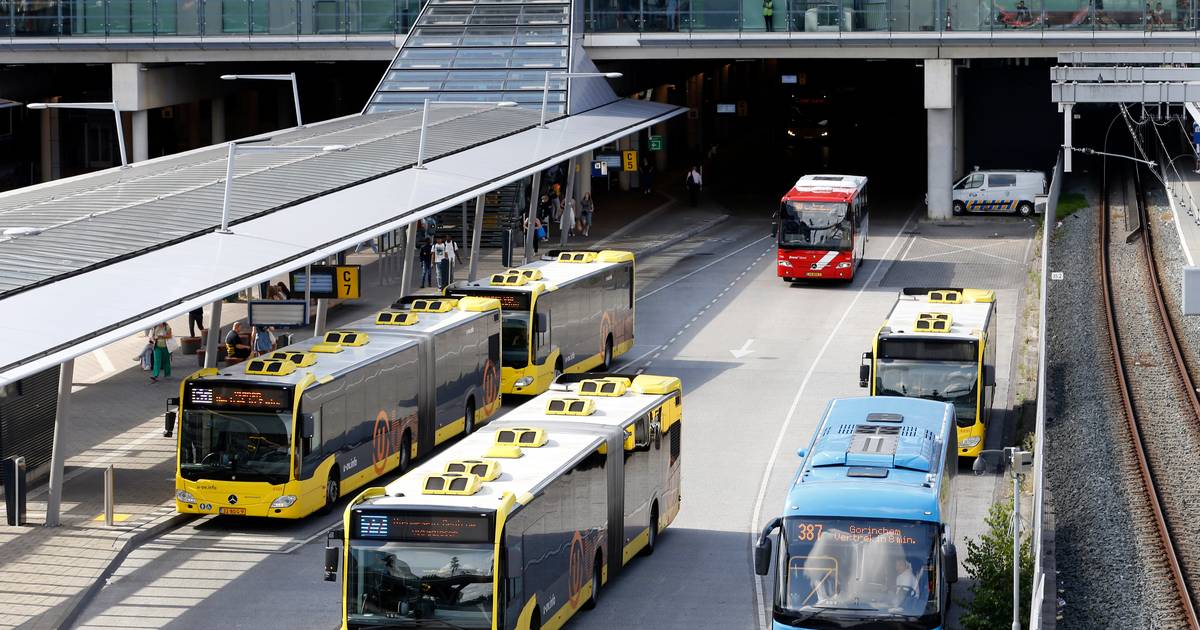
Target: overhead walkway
(123, 249)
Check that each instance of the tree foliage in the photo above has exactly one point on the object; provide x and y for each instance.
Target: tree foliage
(989, 563)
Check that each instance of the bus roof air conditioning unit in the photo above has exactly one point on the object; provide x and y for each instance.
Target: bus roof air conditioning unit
(432, 306)
(301, 359)
(482, 468)
(577, 257)
(326, 348)
(932, 322)
(451, 483)
(946, 296)
(570, 407)
(603, 387)
(396, 318)
(270, 367)
(525, 437)
(529, 274)
(346, 338)
(511, 279)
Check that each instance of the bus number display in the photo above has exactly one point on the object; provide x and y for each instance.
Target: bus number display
(229, 396)
(424, 527)
(509, 301)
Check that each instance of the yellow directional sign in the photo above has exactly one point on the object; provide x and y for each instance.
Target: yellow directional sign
(346, 279)
(629, 160)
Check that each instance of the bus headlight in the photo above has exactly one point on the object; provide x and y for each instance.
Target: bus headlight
(970, 442)
(524, 381)
(183, 496)
(843, 265)
(785, 263)
(284, 501)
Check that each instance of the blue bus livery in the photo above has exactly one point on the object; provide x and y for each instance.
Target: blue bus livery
(865, 535)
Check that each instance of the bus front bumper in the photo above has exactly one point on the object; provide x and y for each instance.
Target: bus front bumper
(801, 267)
(235, 498)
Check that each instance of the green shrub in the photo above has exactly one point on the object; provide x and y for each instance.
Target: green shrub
(989, 563)
(1068, 203)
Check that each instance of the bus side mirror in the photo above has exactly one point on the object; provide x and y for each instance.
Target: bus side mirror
(950, 559)
(307, 425)
(989, 375)
(864, 370)
(170, 416)
(774, 229)
(762, 556)
(541, 323)
(332, 555)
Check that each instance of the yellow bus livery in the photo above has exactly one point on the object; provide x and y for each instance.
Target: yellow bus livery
(288, 433)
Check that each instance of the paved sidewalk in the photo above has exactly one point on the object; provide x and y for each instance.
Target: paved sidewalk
(117, 419)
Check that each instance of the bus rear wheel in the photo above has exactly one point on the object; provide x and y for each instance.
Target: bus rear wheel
(608, 353)
(652, 537)
(1024, 208)
(597, 574)
(405, 452)
(469, 417)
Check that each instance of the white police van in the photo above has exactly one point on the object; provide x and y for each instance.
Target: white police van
(999, 191)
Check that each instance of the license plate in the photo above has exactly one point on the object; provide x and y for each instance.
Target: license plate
(237, 511)
(816, 274)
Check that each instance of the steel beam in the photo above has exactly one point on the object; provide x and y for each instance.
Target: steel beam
(1123, 74)
(62, 416)
(1114, 58)
(1125, 92)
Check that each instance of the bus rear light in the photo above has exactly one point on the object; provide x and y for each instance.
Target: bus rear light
(284, 501)
(183, 496)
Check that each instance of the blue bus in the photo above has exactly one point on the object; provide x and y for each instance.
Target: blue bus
(865, 534)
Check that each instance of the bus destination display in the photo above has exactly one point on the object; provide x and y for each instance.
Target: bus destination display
(509, 300)
(425, 527)
(239, 397)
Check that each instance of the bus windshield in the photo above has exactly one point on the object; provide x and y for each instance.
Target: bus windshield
(449, 586)
(947, 381)
(844, 573)
(235, 446)
(823, 225)
(514, 339)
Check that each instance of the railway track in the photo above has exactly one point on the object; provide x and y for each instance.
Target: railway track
(1159, 400)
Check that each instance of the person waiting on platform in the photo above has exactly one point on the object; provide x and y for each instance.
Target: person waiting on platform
(235, 349)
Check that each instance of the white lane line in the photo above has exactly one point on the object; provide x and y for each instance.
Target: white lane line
(688, 275)
(761, 612)
(648, 353)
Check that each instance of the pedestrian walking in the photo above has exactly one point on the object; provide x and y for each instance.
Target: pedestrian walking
(695, 182)
(586, 208)
(455, 259)
(441, 262)
(539, 232)
(162, 354)
(567, 220)
(647, 176)
(262, 342)
(196, 320)
(283, 290)
(768, 12)
(426, 264)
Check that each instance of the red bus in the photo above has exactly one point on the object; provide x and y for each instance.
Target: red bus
(822, 228)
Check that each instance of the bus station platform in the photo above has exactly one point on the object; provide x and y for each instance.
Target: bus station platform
(117, 420)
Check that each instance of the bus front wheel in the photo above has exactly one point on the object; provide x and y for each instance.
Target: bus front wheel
(405, 452)
(469, 417)
(333, 491)
(608, 353)
(959, 208)
(652, 537)
(1025, 208)
(597, 574)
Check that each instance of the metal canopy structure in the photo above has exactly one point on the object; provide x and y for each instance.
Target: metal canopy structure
(296, 213)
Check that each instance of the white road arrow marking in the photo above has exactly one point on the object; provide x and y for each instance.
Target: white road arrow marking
(743, 351)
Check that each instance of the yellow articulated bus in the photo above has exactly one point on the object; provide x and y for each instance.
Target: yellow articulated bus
(519, 525)
(570, 312)
(939, 344)
(288, 433)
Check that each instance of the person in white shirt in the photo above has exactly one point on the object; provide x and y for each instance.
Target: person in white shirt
(441, 262)
(906, 582)
(695, 181)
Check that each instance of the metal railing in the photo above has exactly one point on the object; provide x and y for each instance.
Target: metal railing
(907, 16)
(204, 18)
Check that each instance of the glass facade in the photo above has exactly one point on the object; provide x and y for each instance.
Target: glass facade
(207, 18)
(484, 50)
(818, 16)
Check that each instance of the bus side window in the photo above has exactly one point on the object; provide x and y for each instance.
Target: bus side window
(333, 424)
(542, 338)
(675, 437)
(629, 282)
(493, 352)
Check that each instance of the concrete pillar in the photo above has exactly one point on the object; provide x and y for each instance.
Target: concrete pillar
(51, 164)
(476, 235)
(585, 173)
(218, 120)
(1066, 110)
(58, 457)
(939, 108)
(322, 316)
(214, 335)
(960, 120)
(140, 128)
(533, 204)
(568, 195)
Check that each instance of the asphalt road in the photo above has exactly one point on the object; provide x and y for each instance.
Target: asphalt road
(758, 359)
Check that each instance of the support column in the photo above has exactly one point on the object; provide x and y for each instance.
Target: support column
(939, 107)
(140, 124)
(218, 120)
(322, 315)
(585, 174)
(51, 165)
(214, 335)
(623, 178)
(568, 195)
(960, 122)
(410, 247)
(1067, 120)
(533, 204)
(57, 456)
(476, 236)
